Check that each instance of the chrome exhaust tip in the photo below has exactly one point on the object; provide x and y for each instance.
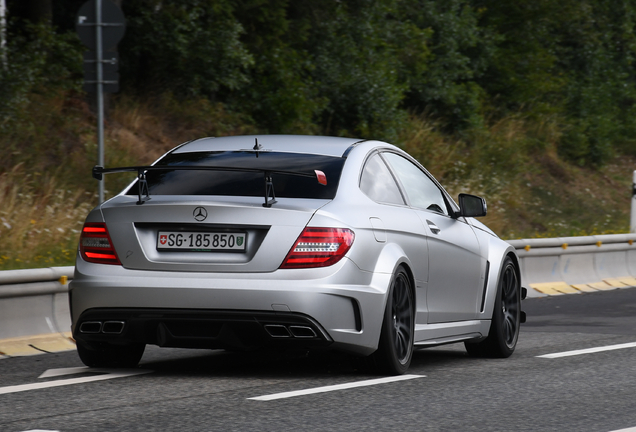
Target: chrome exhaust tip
(302, 332)
(277, 331)
(113, 327)
(91, 327)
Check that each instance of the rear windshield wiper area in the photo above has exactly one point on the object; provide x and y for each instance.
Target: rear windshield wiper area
(272, 174)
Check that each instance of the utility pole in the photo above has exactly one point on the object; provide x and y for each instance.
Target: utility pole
(100, 25)
(3, 33)
(633, 221)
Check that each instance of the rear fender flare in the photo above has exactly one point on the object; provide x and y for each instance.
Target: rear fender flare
(391, 257)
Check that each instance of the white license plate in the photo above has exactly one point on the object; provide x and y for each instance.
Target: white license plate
(201, 241)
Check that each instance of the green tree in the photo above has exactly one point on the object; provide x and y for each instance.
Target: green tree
(358, 68)
(597, 52)
(38, 60)
(191, 47)
(523, 72)
(282, 96)
(447, 89)
(572, 58)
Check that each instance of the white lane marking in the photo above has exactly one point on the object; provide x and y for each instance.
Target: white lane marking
(106, 374)
(589, 350)
(336, 387)
(51, 373)
(631, 429)
(41, 430)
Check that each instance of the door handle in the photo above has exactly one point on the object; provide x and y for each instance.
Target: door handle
(433, 227)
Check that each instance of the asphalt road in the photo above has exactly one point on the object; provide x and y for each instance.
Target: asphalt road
(187, 390)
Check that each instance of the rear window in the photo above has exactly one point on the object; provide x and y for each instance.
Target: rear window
(176, 182)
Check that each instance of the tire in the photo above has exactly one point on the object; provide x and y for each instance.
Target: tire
(111, 356)
(395, 349)
(506, 317)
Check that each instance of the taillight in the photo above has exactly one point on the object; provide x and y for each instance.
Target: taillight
(319, 247)
(96, 246)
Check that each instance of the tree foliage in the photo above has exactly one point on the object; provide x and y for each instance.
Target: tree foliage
(448, 86)
(571, 57)
(37, 60)
(360, 67)
(191, 47)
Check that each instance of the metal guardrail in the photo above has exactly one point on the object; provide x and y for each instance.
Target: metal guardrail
(33, 282)
(34, 301)
(573, 245)
(52, 280)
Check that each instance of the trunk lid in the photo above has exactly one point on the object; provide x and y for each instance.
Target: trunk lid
(191, 223)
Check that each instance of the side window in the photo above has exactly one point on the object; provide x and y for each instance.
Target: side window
(420, 189)
(378, 183)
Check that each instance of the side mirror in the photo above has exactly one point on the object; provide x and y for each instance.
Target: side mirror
(471, 206)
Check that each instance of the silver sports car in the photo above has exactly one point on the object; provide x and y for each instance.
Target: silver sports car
(251, 242)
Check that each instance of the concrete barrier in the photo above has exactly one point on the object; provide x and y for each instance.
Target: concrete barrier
(631, 262)
(34, 301)
(568, 265)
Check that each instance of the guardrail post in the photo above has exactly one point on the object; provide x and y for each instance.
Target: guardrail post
(633, 219)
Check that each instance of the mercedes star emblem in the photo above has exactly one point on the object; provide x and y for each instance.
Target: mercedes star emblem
(200, 214)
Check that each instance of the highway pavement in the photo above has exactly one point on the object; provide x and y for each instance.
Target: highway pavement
(573, 370)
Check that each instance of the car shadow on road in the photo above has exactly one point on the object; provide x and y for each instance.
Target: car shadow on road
(289, 363)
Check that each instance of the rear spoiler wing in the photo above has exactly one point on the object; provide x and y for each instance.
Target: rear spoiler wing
(144, 194)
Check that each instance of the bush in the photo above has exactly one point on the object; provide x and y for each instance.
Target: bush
(38, 60)
(191, 47)
(448, 88)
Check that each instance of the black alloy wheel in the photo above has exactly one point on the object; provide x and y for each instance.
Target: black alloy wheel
(510, 306)
(395, 349)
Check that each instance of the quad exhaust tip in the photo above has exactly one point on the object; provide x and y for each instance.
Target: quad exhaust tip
(277, 331)
(113, 327)
(302, 331)
(281, 331)
(274, 330)
(91, 327)
(107, 327)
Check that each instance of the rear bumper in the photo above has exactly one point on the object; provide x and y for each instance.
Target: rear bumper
(342, 305)
(200, 328)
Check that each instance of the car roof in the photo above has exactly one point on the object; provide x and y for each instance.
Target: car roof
(328, 146)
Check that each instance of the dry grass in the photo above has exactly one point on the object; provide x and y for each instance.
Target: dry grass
(46, 188)
(457, 163)
(38, 230)
(530, 191)
(146, 129)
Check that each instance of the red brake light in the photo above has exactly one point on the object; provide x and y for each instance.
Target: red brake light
(96, 246)
(319, 247)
